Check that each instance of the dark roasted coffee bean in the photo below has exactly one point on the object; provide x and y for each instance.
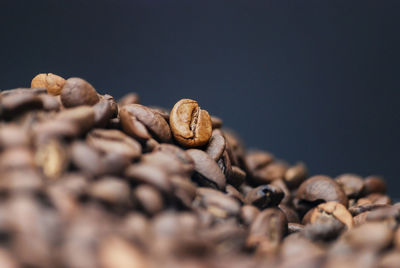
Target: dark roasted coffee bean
(111, 190)
(86, 158)
(177, 153)
(257, 160)
(321, 188)
(388, 215)
(264, 196)
(216, 145)
(77, 91)
(355, 210)
(184, 190)
(291, 214)
(216, 122)
(149, 174)
(207, 171)
(217, 203)
(53, 129)
(248, 213)
(114, 141)
(267, 230)
(161, 111)
(295, 175)
(374, 184)
(287, 198)
(148, 198)
(82, 117)
(168, 163)
(233, 192)
(102, 113)
(141, 122)
(112, 102)
(351, 184)
(324, 229)
(18, 102)
(190, 125)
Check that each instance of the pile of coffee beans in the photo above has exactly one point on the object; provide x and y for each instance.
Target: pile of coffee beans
(88, 181)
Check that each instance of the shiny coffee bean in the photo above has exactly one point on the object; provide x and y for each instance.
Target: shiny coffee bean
(216, 145)
(264, 196)
(102, 113)
(15, 104)
(77, 91)
(207, 171)
(190, 125)
(321, 188)
(143, 123)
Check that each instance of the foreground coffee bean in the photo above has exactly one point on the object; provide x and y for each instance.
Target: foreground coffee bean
(86, 182)
(190, 125)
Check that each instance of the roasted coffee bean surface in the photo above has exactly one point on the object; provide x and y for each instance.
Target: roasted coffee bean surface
(90, 181)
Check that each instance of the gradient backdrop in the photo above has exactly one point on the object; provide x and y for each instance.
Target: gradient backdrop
(316, 81)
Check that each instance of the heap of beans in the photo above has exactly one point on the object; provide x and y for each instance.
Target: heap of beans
(86, 181)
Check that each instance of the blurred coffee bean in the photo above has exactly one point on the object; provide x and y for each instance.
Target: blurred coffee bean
(114, 141)
(377, 198)
(264, 196)
(168, 163)
(257, 160)
(12, 135)
(216, 122)
(248, 213)
(17, 158)
(102, 113)
(52, 158)
(130, 98)
(82, 117)
(321, 188)
(233, 192)
(76, 92)
(190, 125)
(50, 103)
(295, 227)
(17, 103)
(332, 209)
(217, 203)
(374, 184)
(295, 175)
(291, 214)
(86, 159)
(267, 230)
(149, 174)
(148, 198)
(216, 145)
(207, 171)
(143, 123)
(112, 102)
(351, 184)
(111, 190)
(161, 111)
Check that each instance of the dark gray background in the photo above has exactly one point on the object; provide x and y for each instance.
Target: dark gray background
(316, 81)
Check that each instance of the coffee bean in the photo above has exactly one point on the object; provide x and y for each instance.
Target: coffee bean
(51, 82)
(52, 158)
(248, 213)
(17, 158)
(264, 196)
(114, 141)
(351, 184)
(82, 117)
(149, 174)
(233, 192)
(216, 122)
(332, 209)
(85, 158)
(218, 203)
(148, 198)
(50, 103)
(12, 135)
(374, 184)
(216, 145)
(169, 164)
(17, 103)
(111, 190)
(258, 160)
(102, 113)
(321, 188)
(295, 175)
(267, 230)
(207, 171)
(295, 227)
(291, 214)
(190, 125)
(77, 91)
(141, 122)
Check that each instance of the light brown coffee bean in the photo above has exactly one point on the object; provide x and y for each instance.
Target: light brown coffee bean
(77, 91)
(51, 82)
(190, 125)
(52, 158)
(332, 209)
